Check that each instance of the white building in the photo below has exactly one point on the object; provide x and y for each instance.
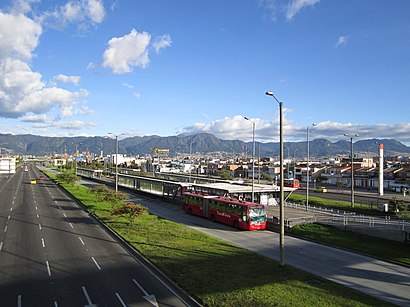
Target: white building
(7, 165)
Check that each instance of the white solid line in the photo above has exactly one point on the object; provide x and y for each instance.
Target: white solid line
(39, 226)
(48, 268)
(71, 225)
(96, 263)
(42, 241)
(81, 240)
(120, 299)
(19, 300)
(141, 288)
(86, 295)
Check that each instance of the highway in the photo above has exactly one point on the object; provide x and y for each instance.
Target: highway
(52, 253)
(377, 278)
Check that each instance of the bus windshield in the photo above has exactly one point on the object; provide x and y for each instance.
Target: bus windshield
(257, 214)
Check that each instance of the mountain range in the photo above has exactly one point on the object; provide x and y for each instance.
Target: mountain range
(203, 143)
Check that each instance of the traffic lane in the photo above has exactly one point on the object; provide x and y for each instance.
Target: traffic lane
(119, 270)
(377, 278)
(22, 256)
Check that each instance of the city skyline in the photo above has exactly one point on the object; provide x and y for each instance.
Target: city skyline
(86, 68)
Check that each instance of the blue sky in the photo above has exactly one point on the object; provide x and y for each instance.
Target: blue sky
(89, 67)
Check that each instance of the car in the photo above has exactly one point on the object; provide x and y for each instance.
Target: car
(33, 181)
(321, 190)
(41, 177)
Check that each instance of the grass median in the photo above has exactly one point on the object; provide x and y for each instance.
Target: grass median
(217, 273)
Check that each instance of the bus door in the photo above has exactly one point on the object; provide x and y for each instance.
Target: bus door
(205, 207)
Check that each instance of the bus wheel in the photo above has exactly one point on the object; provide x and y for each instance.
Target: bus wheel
(235, 224)
(189, 211)
(213, 218)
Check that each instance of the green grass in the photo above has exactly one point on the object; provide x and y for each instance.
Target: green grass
(335, 204)
(378, 247)
(217, 273)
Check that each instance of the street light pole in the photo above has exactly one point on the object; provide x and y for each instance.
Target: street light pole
(281, 199)
(307, 168)
(116, 160)
(352, 168)
(253, 156)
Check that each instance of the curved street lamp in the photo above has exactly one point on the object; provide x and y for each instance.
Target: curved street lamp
(116, 158)
(253, 156)
(281, 198)
(352, 169)
(307, 168)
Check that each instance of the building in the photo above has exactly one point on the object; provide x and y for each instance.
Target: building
(7, 165)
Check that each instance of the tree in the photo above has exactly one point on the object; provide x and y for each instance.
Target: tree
(130, 211)
(224, 174)
(67, 177)
(266, 177)
(104, 194)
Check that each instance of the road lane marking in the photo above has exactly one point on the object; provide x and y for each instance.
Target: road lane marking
(96, 263)
(55, 304)
(38, 216)
(1, 246)
(48, 268)
(42, 242)
(120, 299)
(19, 300)
(39, 226)
(87, 296)
(5, 229)
(81, 240)
(36, 208)
(64, 214)
(11, 209)
(71, 225)
(149, 298)
(8, 217)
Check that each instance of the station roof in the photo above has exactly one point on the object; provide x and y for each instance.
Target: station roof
(241, 188)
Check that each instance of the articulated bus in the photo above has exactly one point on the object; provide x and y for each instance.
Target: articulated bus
(291, 183)
(237, 213)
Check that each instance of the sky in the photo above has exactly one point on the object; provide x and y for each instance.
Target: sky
(162, 67)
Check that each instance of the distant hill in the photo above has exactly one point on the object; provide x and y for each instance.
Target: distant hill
(203, 143)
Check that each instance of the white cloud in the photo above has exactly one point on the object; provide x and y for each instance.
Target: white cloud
(127, 85)
(21, 90)
(288, 7)
(24, 38)
(73, 125)
(127, 52)
(296, 5)
(161, 42)
(81, 12)
(137, 95)
(67, 79)
(95, 10)
(34, 118)
(342, 40)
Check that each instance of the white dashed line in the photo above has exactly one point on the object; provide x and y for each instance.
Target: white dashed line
(71, 225)
(42, 242)
(81, 240)
(48, 268)
(5, 229)
(39, 226)
(96, 263)
(120, 299)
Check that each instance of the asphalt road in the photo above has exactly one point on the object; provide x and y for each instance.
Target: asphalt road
(52, 253)
(380, 279)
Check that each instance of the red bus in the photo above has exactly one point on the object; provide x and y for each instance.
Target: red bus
(292, 183)
(237, 213)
